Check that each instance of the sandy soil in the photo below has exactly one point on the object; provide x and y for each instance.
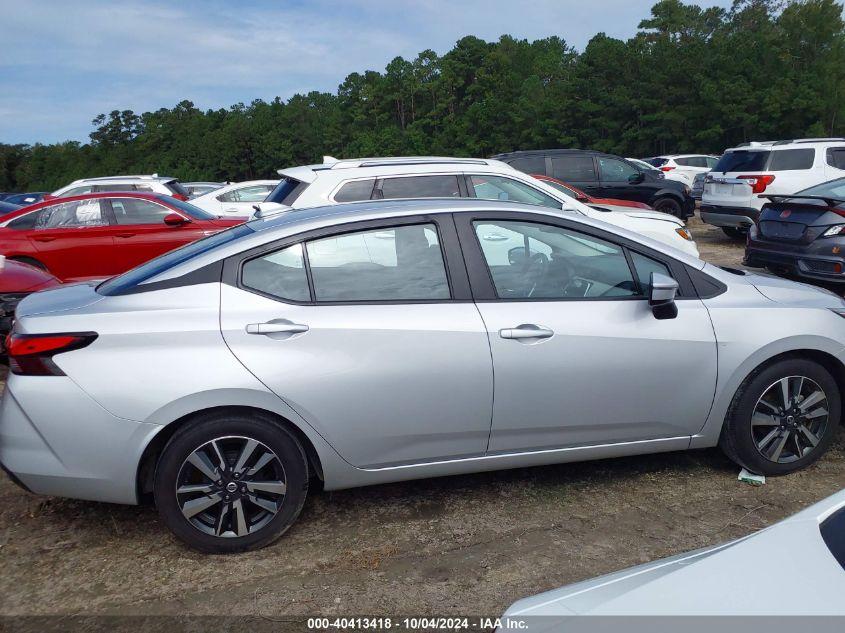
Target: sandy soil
(457, 545)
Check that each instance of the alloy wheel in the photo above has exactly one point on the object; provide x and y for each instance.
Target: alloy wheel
(231, 486)
(789, 419)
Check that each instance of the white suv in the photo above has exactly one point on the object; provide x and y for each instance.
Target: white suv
(684, 167)
(732, 190)
(336, 181)
(149, 184)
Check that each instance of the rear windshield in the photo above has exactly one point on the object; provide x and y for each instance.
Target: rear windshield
(656, 162)
(177, 187)
(287, 191)
(122, 283)
(191, 210)
(833, 533)
(742, 160)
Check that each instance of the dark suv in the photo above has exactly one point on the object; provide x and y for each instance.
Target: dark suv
(605, 176)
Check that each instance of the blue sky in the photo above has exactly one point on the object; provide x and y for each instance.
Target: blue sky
(62, 62)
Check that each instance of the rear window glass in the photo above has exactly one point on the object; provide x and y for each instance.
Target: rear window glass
(421, 187)
(529, 165)
(122, 283)
(791, 159)
(286, 192)
(833, 533)
(742, 160)
(574, 168)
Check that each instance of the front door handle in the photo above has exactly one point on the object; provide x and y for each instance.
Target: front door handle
(526, 330)
(43, 238)
(276, 327)
(124, 235)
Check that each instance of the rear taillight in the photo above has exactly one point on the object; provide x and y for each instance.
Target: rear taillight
(758, 183)
(666, 168)
(180, 196)
(32, 354)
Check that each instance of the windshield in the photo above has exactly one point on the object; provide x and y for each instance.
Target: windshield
(832, 189)
(191, 210)
(742, 160)
(122, 283)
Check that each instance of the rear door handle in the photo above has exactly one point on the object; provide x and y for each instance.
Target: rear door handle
(526, 330)
(276, 327)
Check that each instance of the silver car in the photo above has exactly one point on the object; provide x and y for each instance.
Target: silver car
(737, 579)
(381, 341)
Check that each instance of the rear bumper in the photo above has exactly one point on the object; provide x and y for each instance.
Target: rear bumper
(801, 262)
(736, 217)
(55, 440)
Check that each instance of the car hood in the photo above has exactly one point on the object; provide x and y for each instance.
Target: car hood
(737, 578)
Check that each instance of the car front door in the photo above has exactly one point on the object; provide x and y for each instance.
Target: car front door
(368, 331)
(141, 234)
(578, 355)
(620, 179)
(74, 239)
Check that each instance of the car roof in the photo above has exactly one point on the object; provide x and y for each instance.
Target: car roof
(553, 152)
(154, 177)
(388, 165)
(786, 144)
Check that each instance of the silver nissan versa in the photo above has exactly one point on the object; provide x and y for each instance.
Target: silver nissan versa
(380, 341)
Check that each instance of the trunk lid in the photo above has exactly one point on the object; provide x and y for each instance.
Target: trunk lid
(798, 222)
(61, 299)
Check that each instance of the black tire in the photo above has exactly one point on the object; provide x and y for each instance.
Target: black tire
(670, 206)
(258, 427)
(737, 439)
(735, 233)
(30, 261)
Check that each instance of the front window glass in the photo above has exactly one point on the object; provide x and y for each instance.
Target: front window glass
(187, 208)
(392, 264)
(253, 193)
(614, 170)
(138, 211)
(539, 261)
(644, 267)
(490, 187)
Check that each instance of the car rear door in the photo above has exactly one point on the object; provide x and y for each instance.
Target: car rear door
(578, 170)
(369, 332)
(75, 240)
(578, 356)
(140, 232)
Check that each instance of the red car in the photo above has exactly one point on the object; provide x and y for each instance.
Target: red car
(102, 234)
(17, 280)
(580, 196)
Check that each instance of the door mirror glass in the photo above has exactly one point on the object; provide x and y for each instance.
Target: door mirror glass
(661, 296)
(174, 219)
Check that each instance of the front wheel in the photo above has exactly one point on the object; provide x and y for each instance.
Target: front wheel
(783, 418)
(670, 206)
(231, 482)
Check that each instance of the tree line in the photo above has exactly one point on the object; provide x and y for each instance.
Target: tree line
(692, 79)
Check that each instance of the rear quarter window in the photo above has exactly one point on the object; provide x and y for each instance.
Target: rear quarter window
(792, 159)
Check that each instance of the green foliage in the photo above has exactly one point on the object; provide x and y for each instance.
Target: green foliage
(691, 80)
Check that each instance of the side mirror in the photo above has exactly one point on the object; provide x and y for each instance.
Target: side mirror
(174, 219)
(637, 178)
(662, 296)
(517, 256)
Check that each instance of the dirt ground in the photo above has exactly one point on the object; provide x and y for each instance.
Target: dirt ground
(458, 545)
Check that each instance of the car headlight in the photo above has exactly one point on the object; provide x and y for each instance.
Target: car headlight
(684, 233)
(836, 229)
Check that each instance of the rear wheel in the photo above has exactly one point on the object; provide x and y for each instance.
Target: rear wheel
(783, 418)
(735, 233)
(231, 482)
(670, 206)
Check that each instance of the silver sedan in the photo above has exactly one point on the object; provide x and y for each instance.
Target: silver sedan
(382, 341)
